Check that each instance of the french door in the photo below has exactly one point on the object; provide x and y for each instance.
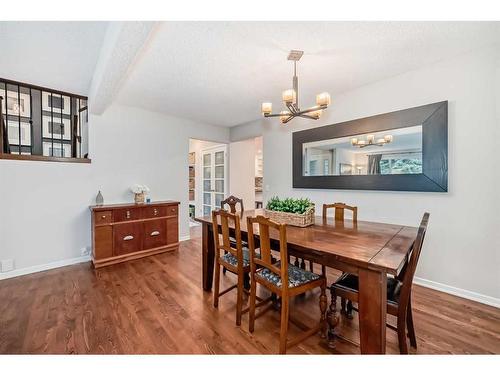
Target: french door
(214, 164)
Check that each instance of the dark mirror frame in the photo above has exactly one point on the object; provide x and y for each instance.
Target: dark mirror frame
(434, 177)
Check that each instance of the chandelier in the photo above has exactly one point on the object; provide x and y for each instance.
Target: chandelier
(291, 99)
(370, 141)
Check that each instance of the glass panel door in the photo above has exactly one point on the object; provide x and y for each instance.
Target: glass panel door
(214, 178)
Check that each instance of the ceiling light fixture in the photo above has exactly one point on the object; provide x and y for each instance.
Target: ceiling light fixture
(370, 141)
(291, 98)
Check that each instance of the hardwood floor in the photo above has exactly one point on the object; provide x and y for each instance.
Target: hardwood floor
(156, 305)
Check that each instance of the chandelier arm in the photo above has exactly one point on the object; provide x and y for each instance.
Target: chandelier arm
(307, 116)
(291, 107)
(312, 109)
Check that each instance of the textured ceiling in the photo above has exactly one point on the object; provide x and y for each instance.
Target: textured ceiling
(220, 72)
(58, 55)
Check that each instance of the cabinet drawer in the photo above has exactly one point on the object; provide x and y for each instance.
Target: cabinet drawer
(103, 217)
(155, 233)
(172, 210)
(126, 214)
(154, 211)
(127, 238)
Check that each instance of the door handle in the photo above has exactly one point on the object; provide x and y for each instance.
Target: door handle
(128, 238)
(155, 233)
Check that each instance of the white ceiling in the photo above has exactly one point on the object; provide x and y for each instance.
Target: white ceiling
(58, 55)
(220, 72)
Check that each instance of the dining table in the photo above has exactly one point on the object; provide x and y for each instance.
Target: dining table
(371, 250)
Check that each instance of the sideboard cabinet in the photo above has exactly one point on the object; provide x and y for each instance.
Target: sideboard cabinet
(122, 232)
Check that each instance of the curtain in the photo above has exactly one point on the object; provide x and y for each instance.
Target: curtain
(374, 163)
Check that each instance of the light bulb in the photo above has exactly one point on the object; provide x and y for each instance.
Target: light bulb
(267, 108)
(289, 96)
(323, 99)
(284, 116)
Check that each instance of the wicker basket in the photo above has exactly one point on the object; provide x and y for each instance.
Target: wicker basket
(297, 220)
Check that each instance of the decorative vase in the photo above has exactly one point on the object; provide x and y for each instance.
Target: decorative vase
(139, 197)
(99, 200)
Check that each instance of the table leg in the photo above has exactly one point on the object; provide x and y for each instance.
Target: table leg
(208, 255)
(372, 311)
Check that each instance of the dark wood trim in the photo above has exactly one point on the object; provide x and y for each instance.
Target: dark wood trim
(434, 120)
(133, 205)
(44, 158)
(29, 85)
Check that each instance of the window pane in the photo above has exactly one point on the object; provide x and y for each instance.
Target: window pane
(219, 158)
(206, 198)
(219, 172)
(219, 186)
(218, 198)
(207, 172)
(207, 185)
(207, 159)
(206, 210)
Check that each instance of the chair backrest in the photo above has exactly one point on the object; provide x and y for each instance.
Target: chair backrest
(408, 271)
(339, 211)
(265, 260)
(223, 218)
(231, 201)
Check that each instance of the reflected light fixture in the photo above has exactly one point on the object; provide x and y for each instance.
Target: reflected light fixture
(370, 141)
(290, 98)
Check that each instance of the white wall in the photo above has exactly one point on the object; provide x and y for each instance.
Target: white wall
(462, 247)
(242, 171)
(44, 212)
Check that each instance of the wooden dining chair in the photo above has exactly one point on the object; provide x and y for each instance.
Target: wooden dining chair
(232, 201)
(235, 257)
(282, 279)
(340, 211)
(398, 292)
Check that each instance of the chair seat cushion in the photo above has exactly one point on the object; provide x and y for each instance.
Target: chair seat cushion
(351, 282)
(296, 276)
(232, 260)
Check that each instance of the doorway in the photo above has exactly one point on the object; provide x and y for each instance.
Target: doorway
(208, 177)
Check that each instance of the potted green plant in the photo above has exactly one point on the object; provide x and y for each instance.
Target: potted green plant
(293, 211)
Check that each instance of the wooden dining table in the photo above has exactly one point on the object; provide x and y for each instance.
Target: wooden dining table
(370, 250)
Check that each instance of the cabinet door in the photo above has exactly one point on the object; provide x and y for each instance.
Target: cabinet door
(128, 238)
(155, 233)
(103, 242)
(172, 230)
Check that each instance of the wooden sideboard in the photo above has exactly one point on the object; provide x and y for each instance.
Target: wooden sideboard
(122, 232)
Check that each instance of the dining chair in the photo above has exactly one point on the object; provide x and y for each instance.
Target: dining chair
(232, 201)
(282, 279)
(235, 257)
(340, 210)
(398, 292)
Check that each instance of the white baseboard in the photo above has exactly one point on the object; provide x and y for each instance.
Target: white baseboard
(44, 267)
(184, 238)
(487, 300)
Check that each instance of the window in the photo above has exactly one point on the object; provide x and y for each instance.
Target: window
(401, 163)
(42, 124)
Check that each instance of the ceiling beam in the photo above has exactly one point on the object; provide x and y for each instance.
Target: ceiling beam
(123, 45)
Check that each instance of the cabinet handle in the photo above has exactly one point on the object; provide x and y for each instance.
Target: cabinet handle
(155, 212)
(128, 214)
(103, 217)
(128, 238)
(155, 233)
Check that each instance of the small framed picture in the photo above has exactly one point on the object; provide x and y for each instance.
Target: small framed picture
(18, 104)
(345, 169)
(57, 149)
(13, 130)
(56, 103)
(56, 127)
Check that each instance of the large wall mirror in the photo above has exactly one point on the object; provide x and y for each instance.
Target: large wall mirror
(404, 151)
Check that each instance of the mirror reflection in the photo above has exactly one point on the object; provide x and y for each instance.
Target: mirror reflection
(397, 151)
